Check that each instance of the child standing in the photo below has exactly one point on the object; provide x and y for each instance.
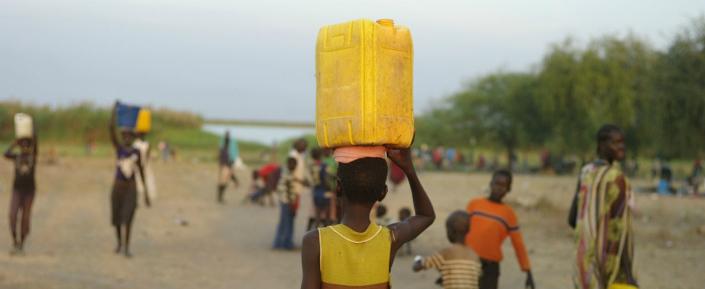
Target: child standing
(123, 198)
(23, 188)
(491, 222)
(357, 252)
(289, 203)
(459, 265)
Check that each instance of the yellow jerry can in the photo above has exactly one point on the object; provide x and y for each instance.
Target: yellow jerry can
(364, 84)
(144, 121)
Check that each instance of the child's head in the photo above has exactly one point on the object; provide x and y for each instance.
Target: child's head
(363, 181)
(457, 226)
(501, 184)
(300, 145)
(255, 175)
(381, 211)
(24, 143)
(291, 164)
(128, 136)
(404, 213)
(316, 154)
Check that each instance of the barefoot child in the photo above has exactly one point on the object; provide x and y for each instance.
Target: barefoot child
(358, 253)
(459, 265)
(23, 188)
(123, 199)
(493, 221)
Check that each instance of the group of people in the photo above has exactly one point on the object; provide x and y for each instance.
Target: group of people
(133, 177)
(359, 253)
(345, 248)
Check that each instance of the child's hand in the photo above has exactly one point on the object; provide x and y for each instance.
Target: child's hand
(402, 158)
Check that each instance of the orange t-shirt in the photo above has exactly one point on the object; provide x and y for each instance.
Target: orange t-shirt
(490, 224)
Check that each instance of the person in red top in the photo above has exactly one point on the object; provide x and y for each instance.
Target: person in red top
(491, 221)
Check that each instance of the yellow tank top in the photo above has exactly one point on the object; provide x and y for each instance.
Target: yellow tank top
(350, 259)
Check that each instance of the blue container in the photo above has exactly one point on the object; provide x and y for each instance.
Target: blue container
(127, 115)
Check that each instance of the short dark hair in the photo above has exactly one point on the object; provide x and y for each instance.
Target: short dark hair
(291, 161)
(363, 180)
(381, 211)
(503, 172)
(404, 213)
(604, 134)
(316, 153)
(458, 222)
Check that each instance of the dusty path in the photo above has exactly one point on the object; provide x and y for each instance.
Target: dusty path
(227, 246)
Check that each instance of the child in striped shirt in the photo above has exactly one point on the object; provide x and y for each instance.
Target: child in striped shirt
(460, 267)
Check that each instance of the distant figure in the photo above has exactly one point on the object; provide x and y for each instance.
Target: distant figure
(404, 214)
(664, 184)
(601, 214)
(301, 173)
(481, 163)
(150, 184)
(226, 174)
(381, 215)
(696, 176)
(256, 189)
(123, 198)
(320, 182)
(396, 176)
(270, 174)
(90, 144)
(288, 204)
(23, 188)
(358, 253)
(459, 265)
(492, 221)
(163, 147)
(332, 167)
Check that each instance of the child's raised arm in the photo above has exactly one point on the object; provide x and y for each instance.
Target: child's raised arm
(9, 154)
(408, 229)
(113, 130)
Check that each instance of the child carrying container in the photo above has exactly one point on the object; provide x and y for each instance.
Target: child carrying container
(24, 184)
(358, 253)
(123, 198)
(459, 265)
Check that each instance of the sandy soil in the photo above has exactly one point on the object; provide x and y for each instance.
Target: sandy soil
(228, 246)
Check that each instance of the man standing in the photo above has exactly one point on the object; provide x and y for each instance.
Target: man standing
(601, 214)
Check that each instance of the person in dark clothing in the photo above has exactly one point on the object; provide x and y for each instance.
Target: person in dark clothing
(226, 172)
(23, 188)
(123, 198)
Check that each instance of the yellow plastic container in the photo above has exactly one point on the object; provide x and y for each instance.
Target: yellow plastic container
(144, 121)
(364, 83)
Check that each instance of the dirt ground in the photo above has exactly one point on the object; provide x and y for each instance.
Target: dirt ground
(228, 246)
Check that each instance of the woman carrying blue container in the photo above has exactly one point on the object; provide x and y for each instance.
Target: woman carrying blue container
(123, 198)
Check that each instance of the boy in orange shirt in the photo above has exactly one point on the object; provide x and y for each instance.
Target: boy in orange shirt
(491, 222)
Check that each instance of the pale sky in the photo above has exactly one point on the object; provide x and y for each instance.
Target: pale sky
(255, 59)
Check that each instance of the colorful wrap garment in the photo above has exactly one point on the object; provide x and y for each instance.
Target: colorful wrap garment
(603, 230)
